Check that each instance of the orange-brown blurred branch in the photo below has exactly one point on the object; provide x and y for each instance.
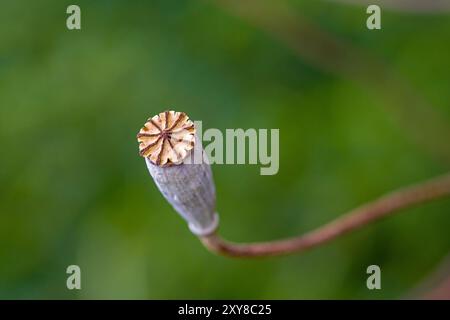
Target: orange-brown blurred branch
(355, 219)
(440, 292)
(436, 286)
(330, 54)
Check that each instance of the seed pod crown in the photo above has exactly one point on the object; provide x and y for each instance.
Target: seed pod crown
(167, 138)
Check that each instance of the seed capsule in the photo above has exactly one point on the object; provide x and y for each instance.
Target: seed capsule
(166, 138)
(169, 145)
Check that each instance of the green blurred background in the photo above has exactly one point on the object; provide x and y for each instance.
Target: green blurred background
(74, 190)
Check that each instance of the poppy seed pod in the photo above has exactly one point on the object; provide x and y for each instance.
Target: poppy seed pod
(178, 165)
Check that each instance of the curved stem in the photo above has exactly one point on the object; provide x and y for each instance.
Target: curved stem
(382, 207)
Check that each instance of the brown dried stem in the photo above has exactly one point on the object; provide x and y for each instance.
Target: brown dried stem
(382, 207)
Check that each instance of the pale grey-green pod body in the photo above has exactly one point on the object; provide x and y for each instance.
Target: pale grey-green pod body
(189, 188)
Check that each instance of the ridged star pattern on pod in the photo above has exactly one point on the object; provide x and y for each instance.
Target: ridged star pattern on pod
(167, 138)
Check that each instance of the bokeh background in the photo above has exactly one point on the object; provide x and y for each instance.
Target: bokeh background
(360, 113)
